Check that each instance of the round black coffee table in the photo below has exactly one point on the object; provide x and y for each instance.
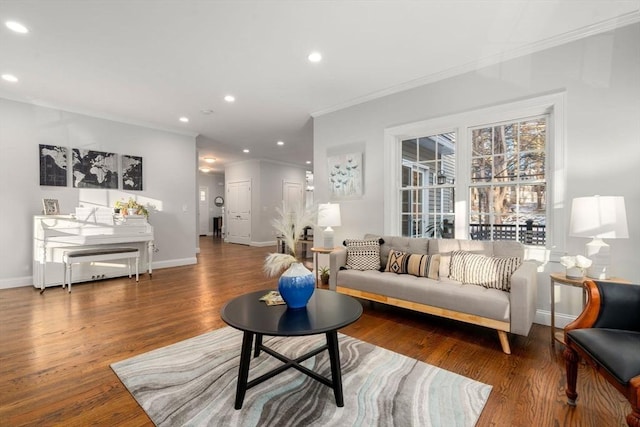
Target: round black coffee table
(326, 312)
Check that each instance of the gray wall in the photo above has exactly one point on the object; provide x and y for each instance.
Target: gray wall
(168, 172)
(601, 78)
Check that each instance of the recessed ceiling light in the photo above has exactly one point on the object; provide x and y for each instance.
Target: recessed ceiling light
(205, 170)
(246, 150)
(315, 57)
(308, 162)
(209, 159)
(280, 142)
(17, 27)
(10, 78)
(184, 119)
(229, 98)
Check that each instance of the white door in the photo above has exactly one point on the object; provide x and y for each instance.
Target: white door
(203, 210)
(238, 221)
(292, 194)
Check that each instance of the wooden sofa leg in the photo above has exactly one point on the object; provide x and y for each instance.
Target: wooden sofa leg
(504, 342)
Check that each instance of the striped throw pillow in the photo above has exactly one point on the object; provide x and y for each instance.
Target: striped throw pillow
(424, 265)
(415, 264)
(476, 269)
(363, 254)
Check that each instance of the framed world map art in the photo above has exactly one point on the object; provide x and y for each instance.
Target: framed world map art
(131, 172)
(53, 165)
(94, 169)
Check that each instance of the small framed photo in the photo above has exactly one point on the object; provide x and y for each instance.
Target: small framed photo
(51, 206)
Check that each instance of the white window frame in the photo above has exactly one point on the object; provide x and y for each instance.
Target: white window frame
(552, 105)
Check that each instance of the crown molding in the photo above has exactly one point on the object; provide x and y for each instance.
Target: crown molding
(570, 36)
(98, 115)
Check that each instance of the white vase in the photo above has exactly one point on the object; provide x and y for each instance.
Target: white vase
(574, 273)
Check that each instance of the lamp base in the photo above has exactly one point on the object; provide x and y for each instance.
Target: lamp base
(327, 238)
(600, 254)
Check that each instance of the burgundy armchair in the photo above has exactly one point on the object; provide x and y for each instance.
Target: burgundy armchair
(607, 336)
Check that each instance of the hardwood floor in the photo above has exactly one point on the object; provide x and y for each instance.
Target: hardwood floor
(56, 348)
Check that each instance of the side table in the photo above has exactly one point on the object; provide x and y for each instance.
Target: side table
(316, 252)
(562, 279)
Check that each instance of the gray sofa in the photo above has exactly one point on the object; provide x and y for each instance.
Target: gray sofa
(506, 312)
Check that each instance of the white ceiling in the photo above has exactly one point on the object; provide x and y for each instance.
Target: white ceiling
(151, 62)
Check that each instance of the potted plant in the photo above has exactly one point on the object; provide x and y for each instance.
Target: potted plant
(324, 275)
(131, 207)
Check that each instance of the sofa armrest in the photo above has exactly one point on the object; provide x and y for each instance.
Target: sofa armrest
(523, 298)
(337, 259)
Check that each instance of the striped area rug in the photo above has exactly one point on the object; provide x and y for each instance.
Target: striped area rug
(193, 383)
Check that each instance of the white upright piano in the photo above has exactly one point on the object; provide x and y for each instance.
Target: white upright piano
(55, 234)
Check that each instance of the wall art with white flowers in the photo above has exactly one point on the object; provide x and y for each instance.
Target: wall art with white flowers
(345, 175)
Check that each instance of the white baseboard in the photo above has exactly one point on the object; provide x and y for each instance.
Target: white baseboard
(174, 263)
(543, 317)
(262, 244)
(17, 282)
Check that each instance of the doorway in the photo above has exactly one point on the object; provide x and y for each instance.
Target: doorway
(203, 211)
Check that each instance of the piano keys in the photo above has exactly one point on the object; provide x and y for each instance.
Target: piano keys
(55, 234)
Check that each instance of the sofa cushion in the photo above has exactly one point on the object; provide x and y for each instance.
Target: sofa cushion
(420, 265)
(446, 293)
(490, 272)
(444, 247)
(363, 254)
(402, 244)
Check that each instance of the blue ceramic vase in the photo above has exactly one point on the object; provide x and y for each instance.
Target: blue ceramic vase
(296, 285)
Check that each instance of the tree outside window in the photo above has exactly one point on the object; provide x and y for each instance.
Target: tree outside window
(508, 190)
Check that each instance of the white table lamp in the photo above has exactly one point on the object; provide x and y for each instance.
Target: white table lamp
(328, 216)
(598, 217)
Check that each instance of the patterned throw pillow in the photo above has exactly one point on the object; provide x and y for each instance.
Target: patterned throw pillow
(476, 269)
(396, 262)
(415, 264)
(363, 254)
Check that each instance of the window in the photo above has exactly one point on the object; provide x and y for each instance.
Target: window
(506, 175)
(427, 188)
(508, 191)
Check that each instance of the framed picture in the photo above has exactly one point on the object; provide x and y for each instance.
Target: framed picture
(94, 169)
(131, 172)
(345, 175)
(51, 207)
(53, 165)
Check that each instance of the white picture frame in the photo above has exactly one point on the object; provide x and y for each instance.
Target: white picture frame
(50, 207)
(345, 173)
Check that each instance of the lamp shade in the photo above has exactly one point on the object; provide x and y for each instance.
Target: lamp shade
(602, 217)
(328, 215)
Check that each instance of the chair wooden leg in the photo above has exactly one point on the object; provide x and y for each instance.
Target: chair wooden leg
(571, 363)
(633, 419)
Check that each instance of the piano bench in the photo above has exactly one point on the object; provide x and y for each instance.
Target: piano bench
(96, 255)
